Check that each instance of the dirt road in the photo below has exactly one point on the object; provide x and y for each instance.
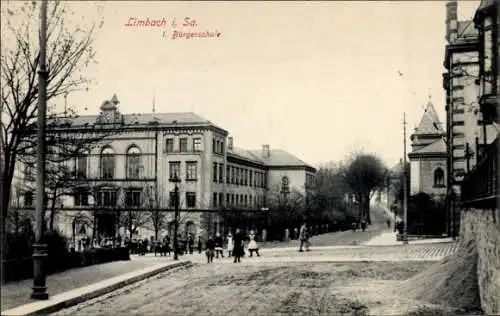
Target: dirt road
(265, 289)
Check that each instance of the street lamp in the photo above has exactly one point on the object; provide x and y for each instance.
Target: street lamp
(39, 248)
(405, 202)
(176, 180)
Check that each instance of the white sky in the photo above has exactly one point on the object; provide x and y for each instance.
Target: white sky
(316, 79)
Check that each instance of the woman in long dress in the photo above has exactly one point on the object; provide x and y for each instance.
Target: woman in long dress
(237, 246)
(230, 244)
(252, 245)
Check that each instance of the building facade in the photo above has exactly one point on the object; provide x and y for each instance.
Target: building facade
(470, 81)
(137, 157)
(428, 172)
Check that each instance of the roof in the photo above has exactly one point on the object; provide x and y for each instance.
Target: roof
(145, 118)
(430, 123)
(467, 31)
(398, 169)
(279, 157)
(245, 154)
(436, 147)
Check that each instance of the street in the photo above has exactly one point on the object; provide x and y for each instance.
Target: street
(264, 289)
(329, 280)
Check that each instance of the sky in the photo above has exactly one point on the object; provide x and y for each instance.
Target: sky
(317, 79)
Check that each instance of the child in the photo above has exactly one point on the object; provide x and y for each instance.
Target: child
(252, 245)
(230, 244)
(219, 241)
(210, 245)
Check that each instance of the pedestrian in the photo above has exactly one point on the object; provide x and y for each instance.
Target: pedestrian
(219, 243)
(363, 224)
(230, 244)
(252, 245)
(304, 237)
(210, 252)
(388, 221)
(191, 244)
(199, 244)
(237, 245)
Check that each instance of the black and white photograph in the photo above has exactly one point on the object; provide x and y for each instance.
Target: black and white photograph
(253, 158)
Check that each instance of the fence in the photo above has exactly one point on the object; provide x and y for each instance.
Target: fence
(480, 187)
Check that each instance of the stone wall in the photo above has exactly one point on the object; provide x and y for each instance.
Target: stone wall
(483, 228)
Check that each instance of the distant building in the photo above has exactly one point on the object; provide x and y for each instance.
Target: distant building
(428, 172)
(132, 167)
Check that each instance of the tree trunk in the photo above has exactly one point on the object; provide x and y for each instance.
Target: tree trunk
(366, 208)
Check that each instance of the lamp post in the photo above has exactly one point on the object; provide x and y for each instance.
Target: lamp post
(39, 249)
(266, 209)
(176, 180)
(405, 202)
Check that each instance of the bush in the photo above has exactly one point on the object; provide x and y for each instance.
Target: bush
(426, 216)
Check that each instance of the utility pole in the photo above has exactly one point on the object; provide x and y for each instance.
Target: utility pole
(405, 198)
(39, 249)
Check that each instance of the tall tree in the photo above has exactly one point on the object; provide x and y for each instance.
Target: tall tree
(364, 174)
(69, 52)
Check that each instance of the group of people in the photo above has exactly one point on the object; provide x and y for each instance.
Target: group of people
(235, 246)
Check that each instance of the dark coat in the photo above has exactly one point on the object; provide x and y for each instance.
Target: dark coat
(210, 244)
(219, 242)
(238, 244)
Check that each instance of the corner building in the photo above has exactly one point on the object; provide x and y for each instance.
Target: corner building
(134, 164)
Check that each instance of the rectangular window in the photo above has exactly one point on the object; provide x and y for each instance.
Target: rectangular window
(228, 170)
(172, 198)
(246, 176)
(217, 147)
(197, 144)
(228, 199)
(28, 198)
(108, 166)
(169, 145)
(237, 199)
(28, 172)
(250, 200)
(250, 178)
(214, 172)
(232, 175)
(246, 200)
(191, 170)
(214, 199)
(174, 169)
(107, 198)
(81, 167)
(191, 199)
(133, 198)
(183, 145)
(221, 173)
(221, 199)
(232, 199)
(214, 149)
(81, 197)
(222, 148)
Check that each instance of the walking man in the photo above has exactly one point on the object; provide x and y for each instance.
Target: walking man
(304, 237)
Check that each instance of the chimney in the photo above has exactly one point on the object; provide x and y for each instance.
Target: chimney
(451, 21)
(229, 143)
(265, 151)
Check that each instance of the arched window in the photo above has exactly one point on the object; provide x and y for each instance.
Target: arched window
(108, 163)
(133, 162)
(439, 177)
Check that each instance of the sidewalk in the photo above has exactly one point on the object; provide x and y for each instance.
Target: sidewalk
(388, 238)
(76, 284)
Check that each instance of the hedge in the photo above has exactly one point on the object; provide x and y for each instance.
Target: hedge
(19, 264)
(22, 268)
